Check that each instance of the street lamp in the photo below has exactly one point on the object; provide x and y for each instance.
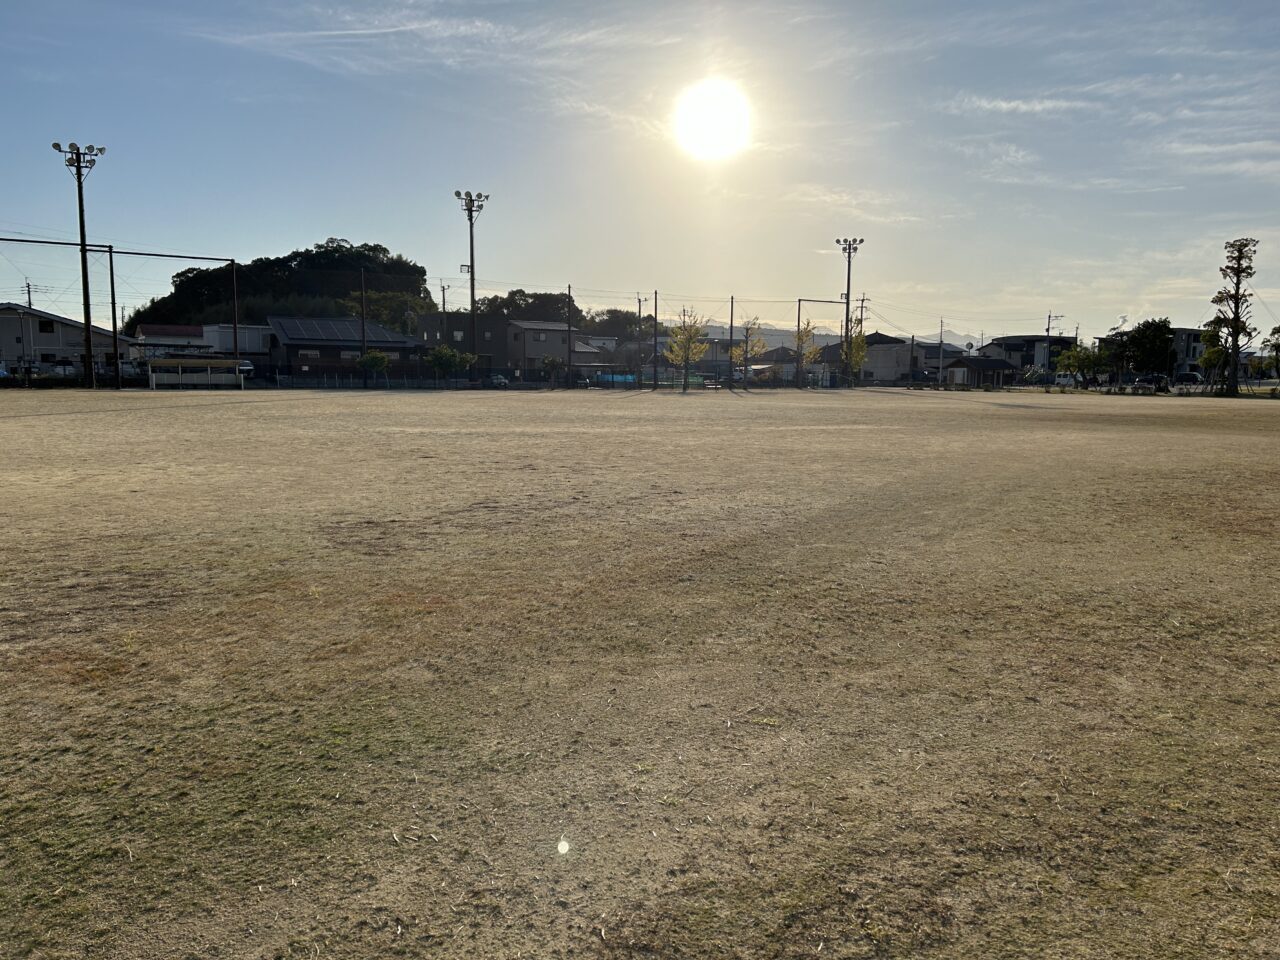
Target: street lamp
(849, 247)
(472, 204)
(80, 162)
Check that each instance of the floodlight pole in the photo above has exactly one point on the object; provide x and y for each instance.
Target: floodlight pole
(80, 162)
(850, 248)
(472, 204)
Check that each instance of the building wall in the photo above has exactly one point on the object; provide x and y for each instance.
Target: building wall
(253, 339)
(44, 344)
(891, 362)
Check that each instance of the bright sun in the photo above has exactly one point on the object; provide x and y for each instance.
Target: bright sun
(712, 120)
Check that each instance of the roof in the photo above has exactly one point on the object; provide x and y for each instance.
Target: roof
(46, 315)
(1030, 338)
(981, 363)
(336, 330)
(542, 325)
(170, 330)
(876, 337)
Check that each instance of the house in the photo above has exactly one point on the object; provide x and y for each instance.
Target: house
(981, 371)
(1029, 350)
(929, 353)
(170, 339)
(41, 342)
(311, 346)
(255, 340)
(888, 360)
(526, 344)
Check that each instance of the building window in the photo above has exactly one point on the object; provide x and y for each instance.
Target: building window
(349, 354)
(46, 326)
(488, 334)
(47, 358)
(540, 336)
(308, 354)
(457, 336)
(393, 354)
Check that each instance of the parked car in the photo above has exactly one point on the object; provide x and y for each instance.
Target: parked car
(245, 369)
(1064, 379)
(1156, 381)
(1192, 379)
(581, 381)
(498, 382)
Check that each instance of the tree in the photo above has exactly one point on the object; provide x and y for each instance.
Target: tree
(1230, 328)
(374, 362)
(394, 309)
(1077, 360)
(853, 354)
(1272, 343)
(521, 305)
(806, 352)
(445, 361)
(310, 283)
(686, 345)
(554, 365)
(1150, 346)
(751, 347)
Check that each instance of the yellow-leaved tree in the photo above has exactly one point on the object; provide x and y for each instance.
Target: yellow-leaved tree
(752, 346)
(686, 344)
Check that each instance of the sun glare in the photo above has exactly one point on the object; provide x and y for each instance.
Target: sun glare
(712, 120)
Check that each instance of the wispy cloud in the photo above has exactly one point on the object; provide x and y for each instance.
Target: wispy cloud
(969, 103)
(867, 206)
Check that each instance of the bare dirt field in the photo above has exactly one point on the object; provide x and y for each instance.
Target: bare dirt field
(795, 674)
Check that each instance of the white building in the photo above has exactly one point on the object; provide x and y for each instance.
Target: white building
(47, 344)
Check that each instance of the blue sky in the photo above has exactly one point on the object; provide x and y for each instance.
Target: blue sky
(1003, 160)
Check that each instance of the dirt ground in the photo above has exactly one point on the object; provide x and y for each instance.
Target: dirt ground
(498, 675)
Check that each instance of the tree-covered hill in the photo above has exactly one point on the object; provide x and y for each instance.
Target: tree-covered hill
(323, 281)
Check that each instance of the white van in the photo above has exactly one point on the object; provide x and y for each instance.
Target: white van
(1064, 379)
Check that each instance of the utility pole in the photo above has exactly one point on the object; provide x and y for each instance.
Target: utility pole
(655, 339)
(29, 306)
(364, 337)
(235, 315)
(568, 339)
(940, 320)
(850, 249)
(115, 329)
(731, 342)
(472, 204)
(1048, 323)
(858, 331)
(799, 352)
(80, 162)
(639, 324)
(444, 314)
